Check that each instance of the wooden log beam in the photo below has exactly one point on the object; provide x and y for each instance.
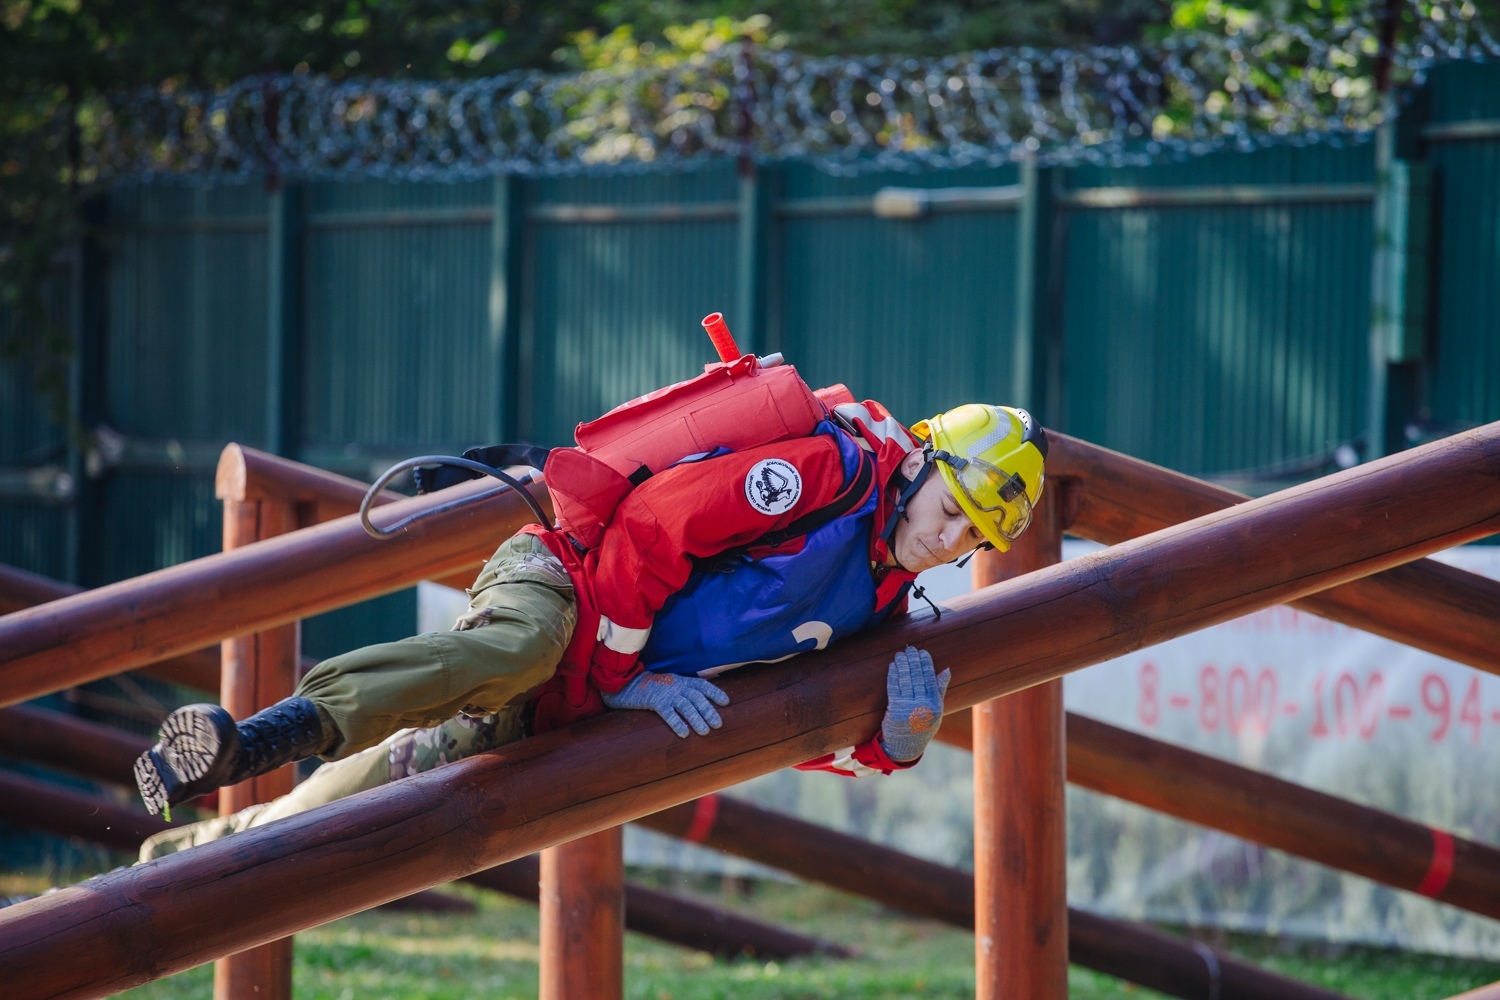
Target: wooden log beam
(250, 474)
(182, 608)
(41, 805)
(583, 918)
(258, 671)
(129, 927)
(674, 919)
(70, 744)
(1020, 819)
(1447, 611)
(30, 804)
(1279, 814)
(198, 668)
(1132, 952)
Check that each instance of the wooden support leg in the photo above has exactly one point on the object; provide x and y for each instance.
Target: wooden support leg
(258, 671)
(1020, 832)
(583, 918)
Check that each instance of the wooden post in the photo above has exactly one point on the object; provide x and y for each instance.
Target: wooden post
(1020, 832)
(258, 671)
(583, 918)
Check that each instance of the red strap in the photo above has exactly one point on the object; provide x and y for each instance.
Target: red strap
(1442, 864)
(705, 812)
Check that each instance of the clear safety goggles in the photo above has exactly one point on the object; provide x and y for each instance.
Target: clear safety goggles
(992, 491)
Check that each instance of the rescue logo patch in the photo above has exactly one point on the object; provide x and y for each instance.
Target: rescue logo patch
(773, 486)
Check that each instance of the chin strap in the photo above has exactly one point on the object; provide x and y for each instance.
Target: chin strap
(908, 489)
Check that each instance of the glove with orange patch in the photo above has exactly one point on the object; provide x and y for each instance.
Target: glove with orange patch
(915, 704)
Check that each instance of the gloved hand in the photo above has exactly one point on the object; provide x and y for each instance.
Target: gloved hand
(675, 698)
(915, 704)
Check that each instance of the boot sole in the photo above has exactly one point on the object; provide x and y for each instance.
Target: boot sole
(188, 750)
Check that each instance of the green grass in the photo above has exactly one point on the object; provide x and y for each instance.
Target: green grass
(392, 955)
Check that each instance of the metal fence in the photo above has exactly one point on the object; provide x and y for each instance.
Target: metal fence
(1218, 316)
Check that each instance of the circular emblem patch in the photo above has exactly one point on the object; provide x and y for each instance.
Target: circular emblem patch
(773, 486)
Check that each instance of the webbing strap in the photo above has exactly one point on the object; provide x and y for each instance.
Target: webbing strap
(850, 498)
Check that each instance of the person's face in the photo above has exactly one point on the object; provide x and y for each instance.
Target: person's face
(937, 530)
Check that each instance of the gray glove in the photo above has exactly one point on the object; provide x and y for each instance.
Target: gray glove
(915, 704)
(674, 698)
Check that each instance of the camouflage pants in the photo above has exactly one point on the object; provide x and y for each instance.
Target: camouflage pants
(404, 707)
(520, 619)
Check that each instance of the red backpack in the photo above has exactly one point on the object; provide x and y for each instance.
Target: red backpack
(739, 402)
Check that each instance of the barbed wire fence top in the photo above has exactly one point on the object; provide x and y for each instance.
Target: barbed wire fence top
(1254, 81)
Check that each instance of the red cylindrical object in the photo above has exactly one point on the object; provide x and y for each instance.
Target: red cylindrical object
(718, 332)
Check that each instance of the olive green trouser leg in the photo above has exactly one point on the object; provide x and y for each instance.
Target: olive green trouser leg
(399, 708)
(520, 619)
(409, 752)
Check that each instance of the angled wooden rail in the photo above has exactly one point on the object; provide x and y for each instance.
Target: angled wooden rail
(38, 805)
(1266, 810)
(1128, 951)
(129, 927)
(183, 608)
(1205, 790)
(1113, 498)
(673, 918)
(30, 803)
(70, 744)
(19, 590)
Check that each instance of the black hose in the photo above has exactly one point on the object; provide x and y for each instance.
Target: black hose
(519, 485)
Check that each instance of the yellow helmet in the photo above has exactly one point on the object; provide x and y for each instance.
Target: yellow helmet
(991, 457)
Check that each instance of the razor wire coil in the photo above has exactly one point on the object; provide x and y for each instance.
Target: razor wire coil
(1266, 83)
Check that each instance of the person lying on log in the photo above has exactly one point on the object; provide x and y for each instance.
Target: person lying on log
(750, 556)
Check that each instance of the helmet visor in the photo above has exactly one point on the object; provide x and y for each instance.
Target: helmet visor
(998, 496)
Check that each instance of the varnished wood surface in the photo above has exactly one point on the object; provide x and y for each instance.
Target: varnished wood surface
(41, 805)
(258, 671)
(1133, 952)
(1020, 821)
(674, 919)
(128, 927)
(582, 898)
(70, 744)
(1447, 611)
(182, 608)
(1266, 810)
(20, 590)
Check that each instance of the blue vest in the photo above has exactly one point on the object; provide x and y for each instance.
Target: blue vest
(760, 610)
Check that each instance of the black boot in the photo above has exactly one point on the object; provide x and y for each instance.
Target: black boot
(202, 748)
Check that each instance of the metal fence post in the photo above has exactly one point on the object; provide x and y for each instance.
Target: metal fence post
(508, 213)
(583, 918)
(88, 312)
(1020, 829)
(284, 319)
(259, 670)
(1032, 360)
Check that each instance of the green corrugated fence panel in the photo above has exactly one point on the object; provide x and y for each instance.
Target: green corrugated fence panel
(918, 314)
(28, 433)
(156, 519)
(397, 320)
(1219, 338)
(34, 537)
(1464, 382)
(187, 313)
(613, 309)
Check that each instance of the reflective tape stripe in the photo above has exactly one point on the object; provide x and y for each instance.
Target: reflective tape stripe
(622, 639)
(843, 760)
(705, 812)
(1441, 868)
(885, 429)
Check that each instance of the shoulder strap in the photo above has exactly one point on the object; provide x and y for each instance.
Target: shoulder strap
(848, 499)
